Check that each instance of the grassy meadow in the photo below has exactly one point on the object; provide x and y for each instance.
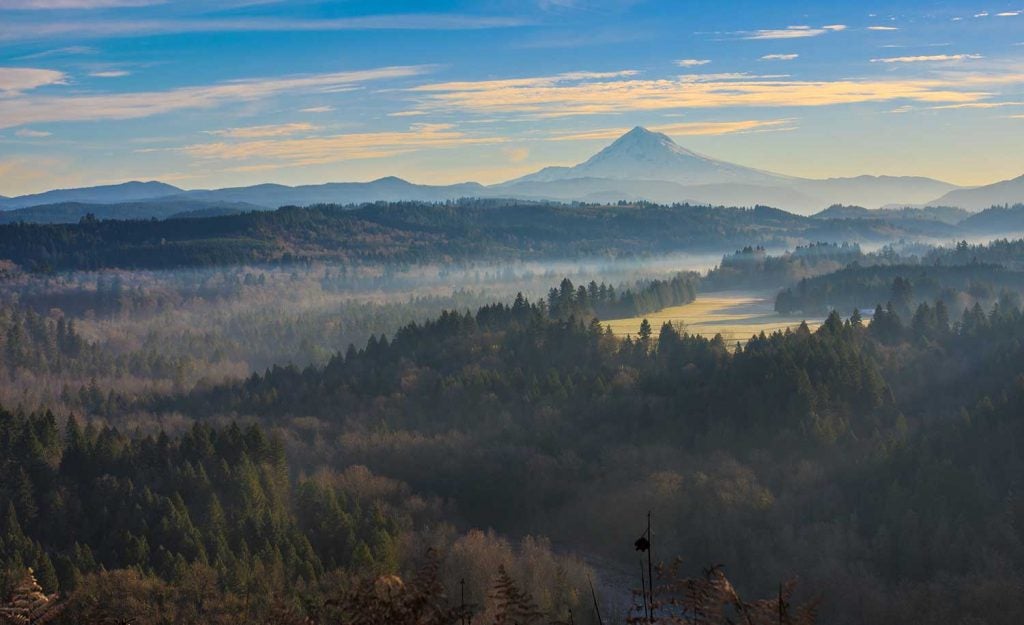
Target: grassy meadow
(736, 315)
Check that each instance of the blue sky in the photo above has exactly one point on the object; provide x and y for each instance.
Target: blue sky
(235, 92)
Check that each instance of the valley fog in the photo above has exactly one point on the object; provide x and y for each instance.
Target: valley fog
(528, 412)
(217, 324)
(565, 312)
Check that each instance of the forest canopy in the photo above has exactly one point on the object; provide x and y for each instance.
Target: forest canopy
(157, 447)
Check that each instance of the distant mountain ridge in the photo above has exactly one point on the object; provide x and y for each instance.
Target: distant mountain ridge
(639, 165)
(388, 189)
(104, 194)
(1006, 192)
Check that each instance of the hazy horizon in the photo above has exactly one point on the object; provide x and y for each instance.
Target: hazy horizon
(611, 140)
(102, 91)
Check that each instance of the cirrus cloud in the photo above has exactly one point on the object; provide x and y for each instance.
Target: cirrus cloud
(702, 128)
(272, 130)
(110, 73)
(12, 30)
(15, 80)
(928, 58)
(271, 153)
(28, 133)
(25, 109)
(24, 5)
(557, 96)
(977, 105)
(792, 32)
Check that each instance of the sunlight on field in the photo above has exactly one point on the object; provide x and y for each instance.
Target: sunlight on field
(736, 316)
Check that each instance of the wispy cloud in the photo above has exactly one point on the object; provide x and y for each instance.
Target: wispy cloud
(22, 5)
(533, 82)
(679, 129)
(65, 51)
(28, 133)
(883, 28)
(111, 73)
(977, 105)
(569, 39)
(725, 76)
(15, 80)
(591, 6)
(272, 130)
(21, 30)
(792, 32)
(1008, 14)
(692, 62)
(271, 153)
(557, 96)
(917, 45)
(317, 109)
(928, 58)
(25, 109)
(779, 57)
(556, 5)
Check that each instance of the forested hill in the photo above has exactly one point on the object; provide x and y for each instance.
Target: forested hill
(887, 445)
(72, 212)
(411, 232)
(876, 460)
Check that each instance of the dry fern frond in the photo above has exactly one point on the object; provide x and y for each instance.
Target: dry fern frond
(29, 605)
(389, 599)
(713, 600)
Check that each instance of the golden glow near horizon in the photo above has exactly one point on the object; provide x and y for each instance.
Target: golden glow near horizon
(103, 93)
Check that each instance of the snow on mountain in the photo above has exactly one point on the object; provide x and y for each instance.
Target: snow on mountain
(644, 155)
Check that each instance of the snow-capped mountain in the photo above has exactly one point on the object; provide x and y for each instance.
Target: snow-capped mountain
(644, 155)
(639, 165)
(632, 164)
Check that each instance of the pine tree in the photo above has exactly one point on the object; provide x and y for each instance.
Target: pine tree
(514, 606)
(645, 330)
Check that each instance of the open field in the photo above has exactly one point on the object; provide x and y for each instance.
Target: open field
(735, 315)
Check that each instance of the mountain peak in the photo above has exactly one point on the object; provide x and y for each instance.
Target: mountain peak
(390, 180)
(641, 134)
(640, 131)
(643, 154)
(646, 145)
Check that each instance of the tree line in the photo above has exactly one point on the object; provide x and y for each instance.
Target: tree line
(411, 232)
